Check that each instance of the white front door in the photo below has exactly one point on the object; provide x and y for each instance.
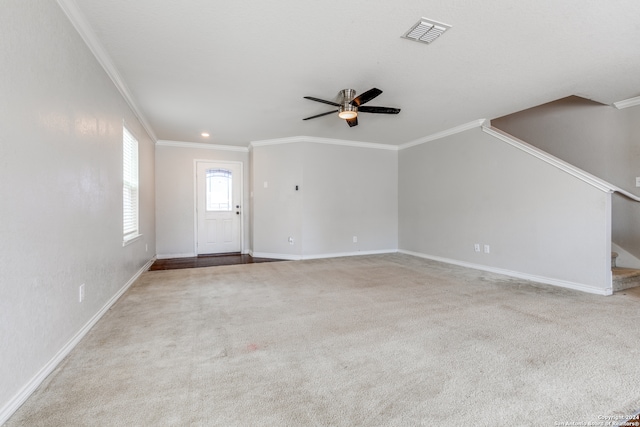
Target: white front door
(218, 206)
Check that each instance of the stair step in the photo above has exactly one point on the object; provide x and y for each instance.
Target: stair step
(625, 278)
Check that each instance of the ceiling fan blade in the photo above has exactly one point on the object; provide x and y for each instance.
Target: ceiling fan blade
(322, 100)
(366, 96)
(352, 122)
(320, 115)
(378, 110)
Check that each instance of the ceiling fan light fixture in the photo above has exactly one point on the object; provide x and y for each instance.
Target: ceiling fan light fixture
(348, 114)
(349, 105)
(347, 111)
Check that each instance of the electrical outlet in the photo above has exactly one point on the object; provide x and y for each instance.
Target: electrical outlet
(476, 247)
(290, 240)
(146, 247)
(81, 293)
(487, 249)
(355, 239)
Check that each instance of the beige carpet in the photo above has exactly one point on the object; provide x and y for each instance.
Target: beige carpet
(387, 340)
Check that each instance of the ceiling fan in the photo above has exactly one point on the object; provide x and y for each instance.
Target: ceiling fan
(350, 105)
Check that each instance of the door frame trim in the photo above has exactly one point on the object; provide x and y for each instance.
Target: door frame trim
(195, 199)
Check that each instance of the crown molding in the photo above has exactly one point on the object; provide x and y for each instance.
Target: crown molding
(631, 102)
(444, 133)
(277, 141)
(70, 8)
(433, 137)
(201, 145)
(318, 140)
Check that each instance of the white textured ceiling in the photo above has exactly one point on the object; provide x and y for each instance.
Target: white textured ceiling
(239, 69)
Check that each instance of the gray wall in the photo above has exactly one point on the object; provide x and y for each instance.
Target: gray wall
(175, 198)
(473, 188)
(597, 138)
(61, 190)
(344, 191)
(276, 206)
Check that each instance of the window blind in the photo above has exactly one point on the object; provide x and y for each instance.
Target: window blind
(130, 184)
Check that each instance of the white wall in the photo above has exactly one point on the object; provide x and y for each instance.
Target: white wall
(175, 196)
(343, 191)
(598, 138)
(349, 191)
(473, 188)
(61, 192)
(276, 205)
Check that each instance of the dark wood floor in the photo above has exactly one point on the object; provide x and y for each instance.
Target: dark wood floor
(207, 261)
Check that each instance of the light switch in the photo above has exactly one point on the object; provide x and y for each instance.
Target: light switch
(637, 181)
(266, 184)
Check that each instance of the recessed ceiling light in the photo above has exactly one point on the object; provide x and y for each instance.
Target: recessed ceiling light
(426, 31)
(206, 135)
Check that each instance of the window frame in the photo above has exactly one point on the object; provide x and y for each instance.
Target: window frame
(130, 187)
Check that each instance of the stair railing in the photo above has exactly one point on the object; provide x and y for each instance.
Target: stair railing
(560, 164)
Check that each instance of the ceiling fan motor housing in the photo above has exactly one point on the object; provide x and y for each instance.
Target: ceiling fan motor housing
(347, 110)
(347, 95)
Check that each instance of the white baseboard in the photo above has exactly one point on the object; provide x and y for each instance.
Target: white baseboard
(534, 278)
(342, 254)
(291, 257)
(288, 257)
(181, 255)
(12, 406)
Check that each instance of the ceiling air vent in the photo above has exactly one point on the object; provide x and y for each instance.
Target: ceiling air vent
(426, 31)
